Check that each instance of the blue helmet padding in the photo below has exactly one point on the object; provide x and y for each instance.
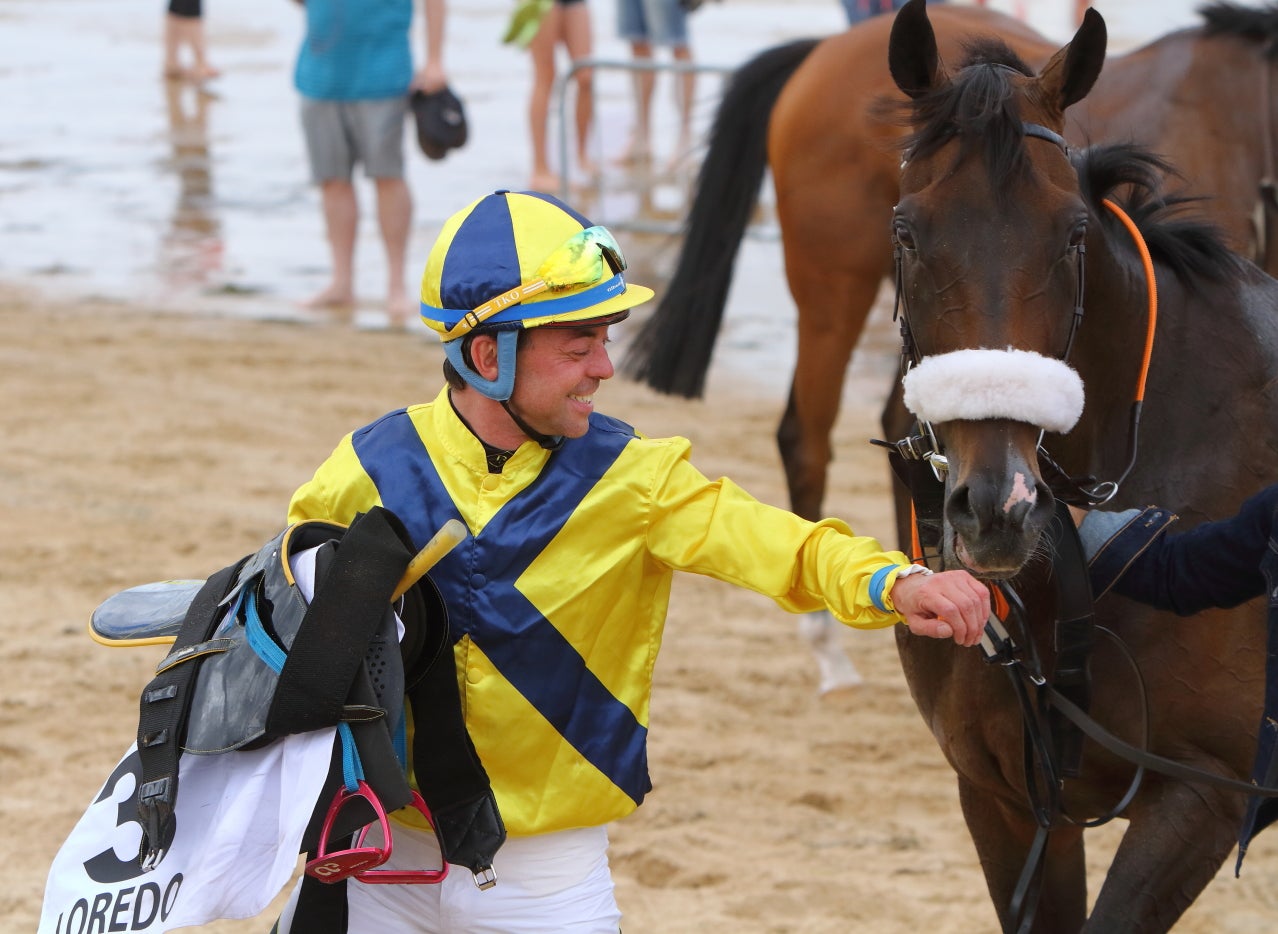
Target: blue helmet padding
(498, 389)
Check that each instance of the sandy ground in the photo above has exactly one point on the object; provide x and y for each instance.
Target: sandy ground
(142, 446)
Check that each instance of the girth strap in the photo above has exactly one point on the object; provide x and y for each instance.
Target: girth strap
(450, 776)
(1075, 636)
(166, 703)
(349, 602)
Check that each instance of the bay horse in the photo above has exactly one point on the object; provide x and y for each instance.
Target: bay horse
(808, 111)
(1027, 312)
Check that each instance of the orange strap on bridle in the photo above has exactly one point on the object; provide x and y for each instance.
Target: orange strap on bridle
(998, 602)
(1151, 288)
(916, 543)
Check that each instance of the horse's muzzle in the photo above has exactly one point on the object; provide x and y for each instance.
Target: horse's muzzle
(994, 518)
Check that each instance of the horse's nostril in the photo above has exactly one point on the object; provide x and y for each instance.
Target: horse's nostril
(962, 512)
(1017, 513)
(976, 508)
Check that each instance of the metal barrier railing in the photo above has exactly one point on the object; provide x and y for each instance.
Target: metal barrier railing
(633, 224)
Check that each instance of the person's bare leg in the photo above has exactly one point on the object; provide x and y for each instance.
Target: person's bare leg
(395, 217)
(685, 94)
(579, 41)
(188, 32)
(172, 35)
(639, 149)
(201, 70)
(542, 50)
(341, 219)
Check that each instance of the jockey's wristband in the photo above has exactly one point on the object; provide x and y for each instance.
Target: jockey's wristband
(876, 582)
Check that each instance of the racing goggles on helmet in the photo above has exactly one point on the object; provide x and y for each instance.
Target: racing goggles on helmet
(590, 257)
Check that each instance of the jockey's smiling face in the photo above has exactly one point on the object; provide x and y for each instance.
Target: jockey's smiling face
(558, 372)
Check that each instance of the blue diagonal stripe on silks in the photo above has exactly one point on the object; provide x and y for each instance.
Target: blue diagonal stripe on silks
(523, 645)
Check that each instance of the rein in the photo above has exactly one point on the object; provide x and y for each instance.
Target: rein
(1038, 698)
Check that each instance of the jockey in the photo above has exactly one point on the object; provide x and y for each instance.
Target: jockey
(557, 600)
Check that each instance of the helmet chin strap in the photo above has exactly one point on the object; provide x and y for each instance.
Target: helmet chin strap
(549, 442)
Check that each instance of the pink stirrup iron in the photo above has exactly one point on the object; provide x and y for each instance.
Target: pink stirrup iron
(360, 861)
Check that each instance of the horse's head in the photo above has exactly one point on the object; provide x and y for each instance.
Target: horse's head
(989, 232)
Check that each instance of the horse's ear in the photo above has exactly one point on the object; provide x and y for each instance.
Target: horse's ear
(912, 56)
(1069, 76)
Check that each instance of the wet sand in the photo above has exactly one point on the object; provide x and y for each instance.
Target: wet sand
(144, 445)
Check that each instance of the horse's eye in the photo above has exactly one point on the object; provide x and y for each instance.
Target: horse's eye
(901, 234)
(1078, 235)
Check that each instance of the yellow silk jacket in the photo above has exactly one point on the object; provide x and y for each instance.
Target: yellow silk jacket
(557, 601)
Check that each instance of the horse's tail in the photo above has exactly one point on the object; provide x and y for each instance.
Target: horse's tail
(671, 352)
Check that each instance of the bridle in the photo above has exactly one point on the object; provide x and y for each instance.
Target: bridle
(1080, 491)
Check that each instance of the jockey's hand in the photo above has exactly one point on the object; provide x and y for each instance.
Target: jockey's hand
(949, 605)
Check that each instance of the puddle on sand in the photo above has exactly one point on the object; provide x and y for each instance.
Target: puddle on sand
(118, 184)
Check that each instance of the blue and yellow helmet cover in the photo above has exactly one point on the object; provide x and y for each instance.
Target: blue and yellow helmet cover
(496, 245)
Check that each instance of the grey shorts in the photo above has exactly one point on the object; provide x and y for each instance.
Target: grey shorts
(340, 134)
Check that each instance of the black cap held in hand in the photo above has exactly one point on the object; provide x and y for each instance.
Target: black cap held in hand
(441, 121)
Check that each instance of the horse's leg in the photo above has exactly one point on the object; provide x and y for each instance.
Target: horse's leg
(804, 441)
(830, 322)
(1176, 840)
(1003, 833)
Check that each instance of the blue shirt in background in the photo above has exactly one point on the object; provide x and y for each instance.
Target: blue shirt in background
(355, 50)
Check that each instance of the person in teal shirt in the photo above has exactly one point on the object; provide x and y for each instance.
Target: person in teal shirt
(355, 73)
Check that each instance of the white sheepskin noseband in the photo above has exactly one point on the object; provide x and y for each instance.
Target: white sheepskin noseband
(977, 384)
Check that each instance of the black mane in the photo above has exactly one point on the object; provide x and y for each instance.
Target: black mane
(1251, 23)
(979, 104)
(1133, 177)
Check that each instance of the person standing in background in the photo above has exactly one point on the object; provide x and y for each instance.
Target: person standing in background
(644, 24)
(355, 73)
(567, 22)
(184, 27)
